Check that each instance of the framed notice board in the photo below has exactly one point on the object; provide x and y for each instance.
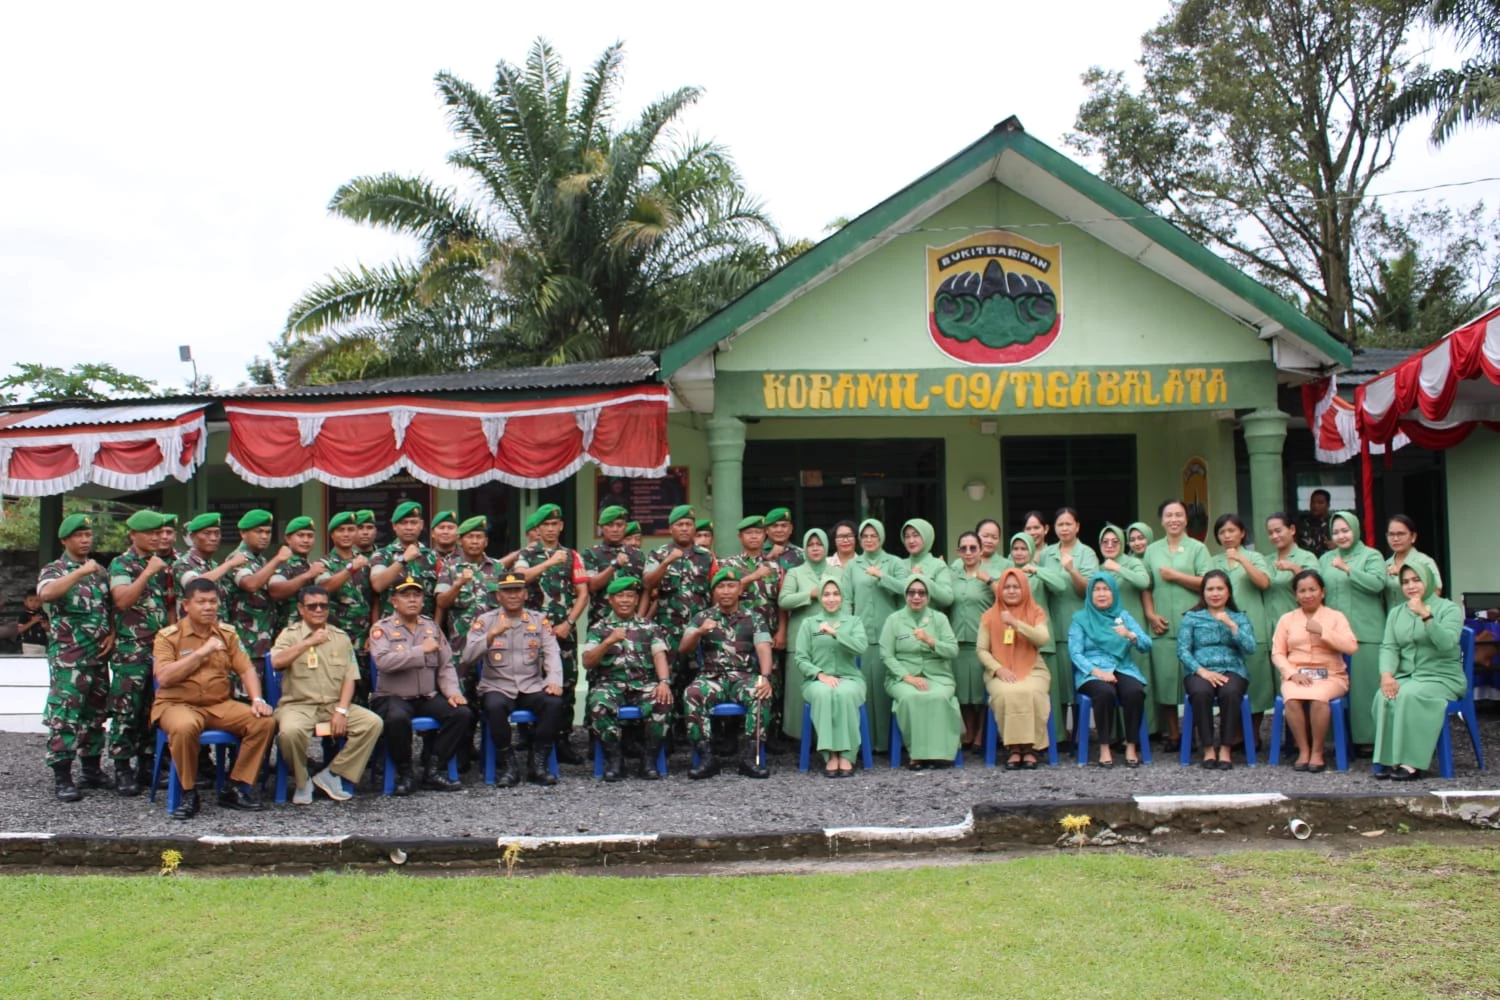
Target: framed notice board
(230, 512)
(649, 501)
(382, 498)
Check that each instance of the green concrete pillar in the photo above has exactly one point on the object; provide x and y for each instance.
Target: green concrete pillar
(1265, 434)
(726, 462)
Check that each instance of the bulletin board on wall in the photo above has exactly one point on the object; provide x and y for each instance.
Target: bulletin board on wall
(381, 498)
(650, 501)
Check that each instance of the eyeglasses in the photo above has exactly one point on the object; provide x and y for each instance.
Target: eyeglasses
(845, 537)
(968, 548)
(916, 593)
(320, 606)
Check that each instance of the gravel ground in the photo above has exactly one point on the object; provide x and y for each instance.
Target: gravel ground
(727, 804)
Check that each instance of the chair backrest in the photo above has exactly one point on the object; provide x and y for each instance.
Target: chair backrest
(1466, 643)
(273, 683)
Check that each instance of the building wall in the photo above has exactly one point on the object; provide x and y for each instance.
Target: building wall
(1473, 486)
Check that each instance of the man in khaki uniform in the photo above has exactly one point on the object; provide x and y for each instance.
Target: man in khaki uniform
(318, 675)
(191, 663)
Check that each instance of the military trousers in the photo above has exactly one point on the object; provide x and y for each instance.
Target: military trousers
(129, 706)
(77, 697)
(703, 693)
(607, 698)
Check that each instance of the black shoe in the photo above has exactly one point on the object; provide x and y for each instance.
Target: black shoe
(565, 752)
(1225, 765)
(648, 761)
(507, 773)
(1404, 773)
(405, 784)
(708, 764)
(1132, 763)
(1316, 768)
(752, 765)
(145, 764)
(537, 771)
(614, 761)
(1013, 765)
(187, 808)
(125, 783)
(1380, 772)
(237, 796)
(1363, 752)
(1300, 767)
(62, 776)
(435, 778)
(92, 775)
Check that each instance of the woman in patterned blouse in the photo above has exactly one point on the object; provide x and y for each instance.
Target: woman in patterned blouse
(1213, 643)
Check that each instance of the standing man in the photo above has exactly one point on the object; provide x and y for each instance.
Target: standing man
(319, 674)
(633, 537)
(192, 663)
(628, 663)
(167, 549)
(703, 535)
(365, 531)
(472, 577)
(204, 536)
(252, 611)
(445, 537)
(779, 544)
(346, 578)
(760, 581)
(559, 589)
(139, 581)
(610, 558)
(414, 675)
(519, 667)
(406, 558)
(735, 653)
(31, 630)
(77, 590)
(296, 572)
(680, 573)
(1312, 527)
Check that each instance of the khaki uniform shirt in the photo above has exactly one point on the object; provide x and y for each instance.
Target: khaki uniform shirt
(208, 684)
(317, 676)
(403, 670)
(521, 660)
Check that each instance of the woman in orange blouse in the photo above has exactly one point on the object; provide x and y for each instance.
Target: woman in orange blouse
(1308, 651)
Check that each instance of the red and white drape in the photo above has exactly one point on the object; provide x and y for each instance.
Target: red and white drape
(44, 452)
(454, 444)
(1332, 421)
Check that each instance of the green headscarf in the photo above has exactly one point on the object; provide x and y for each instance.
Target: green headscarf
(1353, 523)
(1118, 532)
(821, 536)
(1099, 625)
(822, 613)
(1030, 546)
(870, 522)
(1424, 571)
(1143, 528)
(925, 529)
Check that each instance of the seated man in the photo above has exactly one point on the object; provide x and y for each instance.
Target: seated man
(520, 668)
(628, 661)
(191, 663)
(319, 672)
(413, 667)
(736, 668)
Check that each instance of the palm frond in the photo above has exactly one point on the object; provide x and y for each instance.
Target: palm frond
(347, 296)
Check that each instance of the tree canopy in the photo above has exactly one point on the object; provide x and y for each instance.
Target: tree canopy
(33, 383)
(1469, 94)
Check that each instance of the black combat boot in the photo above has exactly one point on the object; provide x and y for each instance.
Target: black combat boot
(187, 808)
(507, 774)
(125, 783)
(145, 765)
(405, 783)
(565, 752)
(537, 771)
(92, 775)
(708, 764)
(648, 760)
(436, 779)
(62, 775)
(751, 765)
(614, 760)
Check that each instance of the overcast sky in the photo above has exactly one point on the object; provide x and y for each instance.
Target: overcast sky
(165, 170)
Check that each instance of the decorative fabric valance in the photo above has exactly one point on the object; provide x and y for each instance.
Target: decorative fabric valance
(129, 448)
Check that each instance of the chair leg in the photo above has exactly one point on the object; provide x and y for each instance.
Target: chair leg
(866, 750)
(958, 761)
(174, 788)
(1278, 726)
(1083, 713)
(895, 741)
(281, 780)
(161, 746)
(1471, 722)
(1051, 741)
(1144, 740)
(1338, 710)
(489, 750)
(1445, 752)
(1185, 754)
(991, 737)
(390, 773)
(598, 757)
(1247, 730)
(804, 753)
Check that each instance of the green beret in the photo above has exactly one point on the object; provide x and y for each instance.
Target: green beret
(444, 515)
(682, 512)
(612, 513)
(169, 520)
(704, 526)
(210, 520)
(778, 514)
(340, 519)
(364, 517)
(545, 512)
(753, 521)
(405, 509)
(633, 528)
(74, 523)
(620, 583)
(144, 520)
(724, 574)
(476, 523)
(255, 519)
(296, 524)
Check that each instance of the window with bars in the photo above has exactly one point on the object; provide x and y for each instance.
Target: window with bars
(1095, 475)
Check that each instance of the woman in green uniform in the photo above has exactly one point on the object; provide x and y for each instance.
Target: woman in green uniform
(1177, 563)
(1401, 536)
(829, 644)
(918, 648)
(1354, 575)
(1287, 560)
(1421, 670)
(1249, 578)
(916, 537)
(1035, 524)
(1023, 558)
(1073, 563)
(973, 595)
(799, 596)
(991, 560)
(874, 584)
(1134, 579)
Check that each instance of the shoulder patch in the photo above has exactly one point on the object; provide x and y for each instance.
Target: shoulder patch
(377, 632)
(478, 626)
(169, 630)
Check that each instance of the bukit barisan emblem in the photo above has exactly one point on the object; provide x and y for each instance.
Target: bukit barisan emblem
(994, 298)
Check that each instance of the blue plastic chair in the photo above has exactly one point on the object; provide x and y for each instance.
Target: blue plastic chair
(992, 739)
(216, 738)
(1338, 710)
(958, 760)
(629, 713)
(804, 755)
(1247, 731)
(723, 710)
(419, 724)
(1084, 712)
(283, 772)
(1465, 709)
(518, 717)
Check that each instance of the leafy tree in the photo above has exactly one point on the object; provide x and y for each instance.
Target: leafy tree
(1259, 129)
(20, 528)
(1470, 94)
(582, 240)
(32, 383)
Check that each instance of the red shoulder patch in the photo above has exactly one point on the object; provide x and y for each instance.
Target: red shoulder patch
(377, 632)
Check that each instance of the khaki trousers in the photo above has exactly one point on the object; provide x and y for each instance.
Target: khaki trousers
(294, 729)
(183, 724)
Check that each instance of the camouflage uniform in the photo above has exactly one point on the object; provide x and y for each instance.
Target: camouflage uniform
(602, 556)
(253, 616)
(349, 605)
(130, 663)
(474, 598)
(286, 608)
(79, 684)
(553, 595)
(684, 590)
(791, 557)
(425, 570)
(626, 676)
(759, 598)
(728, 672)
(188, 567)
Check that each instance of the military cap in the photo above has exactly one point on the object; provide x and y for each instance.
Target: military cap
(633, 528)
(74, 523)
(144, 520)
(724, 574)
(340, 519)
(753, 521)
(444, 515)
(510, 581)
(612, 513)
(408, 584)
(168, 520)
(704, 525)
(545, 512)
(210, 520)
(405, 509)
(365, 516)
(620, 583)
(682, 512)
(255, 519)
(296, 524)
(778, 514)
(476, 523)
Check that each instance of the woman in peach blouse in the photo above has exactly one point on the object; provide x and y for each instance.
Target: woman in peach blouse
(1308, 651)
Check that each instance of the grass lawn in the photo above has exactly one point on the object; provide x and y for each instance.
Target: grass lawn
(1400, 922)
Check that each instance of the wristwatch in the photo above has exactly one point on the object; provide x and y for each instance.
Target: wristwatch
(261, 700)
(341, 709)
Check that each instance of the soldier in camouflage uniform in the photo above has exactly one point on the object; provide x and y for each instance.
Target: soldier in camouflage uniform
(703, 534)
(139, 581)
(300, 535)
(627, 663)
(472, 576)
(558, 587)
(633, 537)
(75, 589)
(734, 654)
(680, 573)
(406, 557)
(610, 558)
(204, 535)
(760, 579)
(444, 532)
(365, 531)
(788, 555)
(252, 612)
(346, 577)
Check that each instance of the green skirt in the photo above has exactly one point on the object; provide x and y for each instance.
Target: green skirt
(968, 675)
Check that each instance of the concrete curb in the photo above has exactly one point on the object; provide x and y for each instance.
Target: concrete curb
(988, 828)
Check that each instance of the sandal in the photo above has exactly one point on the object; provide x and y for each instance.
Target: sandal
(1028, 762)
(1013, 762)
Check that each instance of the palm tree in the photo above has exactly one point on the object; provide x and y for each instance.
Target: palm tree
(1469, 95)
(581, 241)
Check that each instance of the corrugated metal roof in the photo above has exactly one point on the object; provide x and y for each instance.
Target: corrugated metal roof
(609, 371)
(75, 416)
(1371, 361)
